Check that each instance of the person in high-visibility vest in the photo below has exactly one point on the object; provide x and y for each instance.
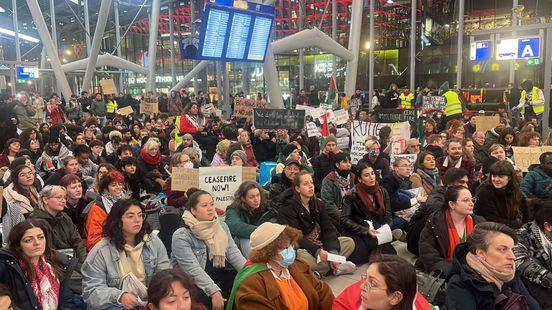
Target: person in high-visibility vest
(531, 102)
(406, 99)
(111, 106)
(453, 107)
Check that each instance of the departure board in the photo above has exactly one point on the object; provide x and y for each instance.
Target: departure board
(233, 34)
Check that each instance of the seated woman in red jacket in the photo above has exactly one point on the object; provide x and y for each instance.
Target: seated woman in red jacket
(193, 121)
(389, 283)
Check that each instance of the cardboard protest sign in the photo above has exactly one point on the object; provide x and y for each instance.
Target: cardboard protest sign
(486, 123)
(125, 111)
(362, 130)
(526, 156)
(183, 179)
(343, 143)
(243, 107)
(149, 108)
(278, 119)
(433, 103)
(341, 117)
(312, 130)
(108, 86)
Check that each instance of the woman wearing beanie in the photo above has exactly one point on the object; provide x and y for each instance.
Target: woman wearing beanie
(292, 152)
(274, 279)
(205, 250)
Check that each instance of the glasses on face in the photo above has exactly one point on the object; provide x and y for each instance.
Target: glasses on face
(132, 217)
(58, 197)
(28, 174)
(467, 200)
(368, 285)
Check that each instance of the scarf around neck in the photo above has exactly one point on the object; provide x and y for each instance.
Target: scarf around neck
(431, 176)
(488, 272)
(45, 284)
(212, 233)
(150, 160)
(453, 237)
(366, 194)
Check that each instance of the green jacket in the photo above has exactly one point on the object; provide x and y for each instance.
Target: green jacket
(64, 233)
(330, 193)
(24, 116)
(240, 222)
(98, 108)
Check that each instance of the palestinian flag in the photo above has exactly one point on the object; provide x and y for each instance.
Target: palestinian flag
(331, 98)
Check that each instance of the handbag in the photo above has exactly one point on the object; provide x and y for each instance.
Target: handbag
(433, 287)
(513, 302)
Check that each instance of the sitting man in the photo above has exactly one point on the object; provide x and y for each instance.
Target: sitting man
(538, 181)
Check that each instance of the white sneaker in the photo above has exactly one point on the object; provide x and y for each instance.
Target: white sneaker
(345, 268)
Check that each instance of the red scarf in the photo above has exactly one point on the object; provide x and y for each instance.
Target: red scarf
(366, 194)
(150, 160)
(44, 274)
(454, 239)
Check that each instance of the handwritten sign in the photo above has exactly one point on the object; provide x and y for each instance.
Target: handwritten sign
(486, 123)
(125, 111)
(149, 108)
(341, 117)
(108, 86)
(434, 102)
(526, 156)
(278, 119)
(183, 179)
(394, 115)
(243, 107)
(363, 130)
(312, 130)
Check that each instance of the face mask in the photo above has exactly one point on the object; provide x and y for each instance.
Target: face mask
(189, 164)
(373, 153)
(288, 257)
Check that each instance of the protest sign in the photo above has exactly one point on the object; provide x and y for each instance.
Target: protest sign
(108, 86)
(396, 115)
(312, 130)
(362, 130)
(341, 117)
(433, 103)
(149, 108)
(278, 119)
(343, 143)
(183, 179)
(125, 111)
(243, 107)
(485, 123)
(208, 109)
(526, 156)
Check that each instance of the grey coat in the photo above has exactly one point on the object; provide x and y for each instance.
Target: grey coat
(190, 254)
(100, 272)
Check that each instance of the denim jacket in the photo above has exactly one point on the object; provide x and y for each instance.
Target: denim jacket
(190, 254)
(100, 272)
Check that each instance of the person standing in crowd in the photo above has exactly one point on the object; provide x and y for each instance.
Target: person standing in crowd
(454, 107)
(24, 111)
(533, 252)
(85, 102)
(447, 228)
(499, 199)
(406, 99)
(73, 109)
(175, 104)
(392, 100)
(356, 102)
(538, 181)
(531, 101)
(302, 210)
(303, 99)
(314, 101)
(455, 158)
(273, 278)
(98, 108)
(39, 105)
(366, 208)
(484, 269)
(118, 270)
(205, 250)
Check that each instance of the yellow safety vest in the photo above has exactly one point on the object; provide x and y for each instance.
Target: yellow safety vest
(454, 106)
(406, 101)
(111, 106)
(177, 138)
(534, 94)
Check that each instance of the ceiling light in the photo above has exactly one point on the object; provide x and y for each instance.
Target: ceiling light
(21, 36)
(2, 10)
(389, 1)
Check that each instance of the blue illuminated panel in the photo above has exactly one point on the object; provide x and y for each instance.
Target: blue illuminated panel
(238, 36)
(216, 32)
(259, 40)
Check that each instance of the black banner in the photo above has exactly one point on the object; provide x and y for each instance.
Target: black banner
(434, 102)
(395, 115)
(278, 118)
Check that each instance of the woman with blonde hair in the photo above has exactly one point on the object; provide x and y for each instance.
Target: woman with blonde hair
(219, 159)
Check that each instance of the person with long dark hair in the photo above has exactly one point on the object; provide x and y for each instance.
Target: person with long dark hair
(426, 174)
(499, 199)
(10, 151)
(118, 270)
(36, 275)
(171, 289)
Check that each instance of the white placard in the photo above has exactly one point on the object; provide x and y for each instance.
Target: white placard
(312, 130)
(343, 143)
(221, 182)
(362, 130)
(384, 234)
(341, 117)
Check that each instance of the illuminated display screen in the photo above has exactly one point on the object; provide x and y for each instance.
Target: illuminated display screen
(481, 50)
(232, 34)
(518, 48)
(27, 73)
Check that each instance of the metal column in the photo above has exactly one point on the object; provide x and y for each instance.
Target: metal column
(96, 43)
(371, 54)
(193, 17)
(354, 46)
(171, 40)
(50, 47)
(301, 50)
(272, 81)
(460, 44)
(118, 40)
(218, 72)
(16, 32)
(334, 36)
(226, 90)
(413, 46)
(86, 27)
(512, 71)
(152, 49)
(54, 38)
(547, 82)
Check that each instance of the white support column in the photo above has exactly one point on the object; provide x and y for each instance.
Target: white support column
(86, 27)
(16, 31)
(354, 46)
(225, 90)
(412, 65)
(118, 40)
(55, 85)
(547, 81)
(192, 74)
(371, 54)
(272, 80)
(171, 40)
(334, 37)
(48, 44)
(96, 44)
(512, 67)
(301, 50)
(152, 49)
(460, 44)
(218, 72)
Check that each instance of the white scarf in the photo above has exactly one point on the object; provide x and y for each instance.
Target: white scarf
(546, 243)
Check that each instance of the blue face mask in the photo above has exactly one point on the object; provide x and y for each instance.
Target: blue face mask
(288, 257)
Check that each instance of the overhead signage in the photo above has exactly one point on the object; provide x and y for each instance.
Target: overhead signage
(27, 73)
(518, 48)
(481, 50)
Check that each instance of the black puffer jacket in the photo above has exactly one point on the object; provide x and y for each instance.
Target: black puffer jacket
(355, 214)
(13, 276)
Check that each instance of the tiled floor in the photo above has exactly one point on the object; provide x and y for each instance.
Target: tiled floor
(338, 284)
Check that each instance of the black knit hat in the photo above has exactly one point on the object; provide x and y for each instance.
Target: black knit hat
(288, 149)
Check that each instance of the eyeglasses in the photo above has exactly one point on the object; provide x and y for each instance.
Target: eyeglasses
(132, 217)
(367, 285)
(28, 174)
(59, 197)
(466, 200)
